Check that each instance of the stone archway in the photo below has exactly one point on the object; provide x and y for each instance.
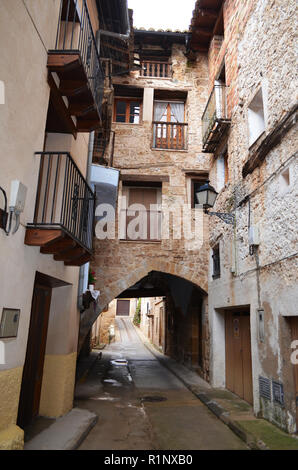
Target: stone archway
(189, 339)
(111, 291)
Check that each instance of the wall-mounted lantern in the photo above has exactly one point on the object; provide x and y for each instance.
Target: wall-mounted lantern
(206, 196)
(3, 212)
(16, 205)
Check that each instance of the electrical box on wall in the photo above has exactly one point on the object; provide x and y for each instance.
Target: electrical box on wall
(9, 322)
(18, 193)
(253, 235)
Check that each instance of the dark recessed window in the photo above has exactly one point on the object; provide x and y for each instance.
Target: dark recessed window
(195, 186)
(127, 110)
(216, 262)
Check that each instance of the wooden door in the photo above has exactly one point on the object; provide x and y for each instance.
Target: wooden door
(123, 307)
(238, 355)
(160, 338)
(294, 335)
(34, 361)
(146, 197)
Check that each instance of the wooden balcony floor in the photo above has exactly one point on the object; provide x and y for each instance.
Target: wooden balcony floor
(72, 84)
(59, 244)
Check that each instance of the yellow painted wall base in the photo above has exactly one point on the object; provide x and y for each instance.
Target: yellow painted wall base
(12, 438)
(10, 385)
(58, 385)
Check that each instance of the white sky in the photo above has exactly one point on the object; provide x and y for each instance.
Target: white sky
(162, 14)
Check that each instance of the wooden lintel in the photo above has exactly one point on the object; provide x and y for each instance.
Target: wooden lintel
(79, 261)
(40, 237)
(145, 178)
(57, 246)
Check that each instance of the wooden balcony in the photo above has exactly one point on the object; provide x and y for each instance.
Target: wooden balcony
(215, 120)
(156, 69)
(76, 76)
(170, 135)
(64, 211)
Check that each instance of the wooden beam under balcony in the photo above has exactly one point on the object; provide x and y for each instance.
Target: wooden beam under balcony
(40, 237)
(58, 246)
(72, 87)
(70, 255)
(72, 93)
(79, 261)
(59, 62)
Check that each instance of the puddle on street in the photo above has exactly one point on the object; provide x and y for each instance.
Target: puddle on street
(119, 362)
(104, 398)
(113, 382)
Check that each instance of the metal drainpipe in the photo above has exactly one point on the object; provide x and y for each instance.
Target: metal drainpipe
(88, 177)
(125, 37)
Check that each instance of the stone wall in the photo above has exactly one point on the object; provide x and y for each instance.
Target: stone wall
(262, 46)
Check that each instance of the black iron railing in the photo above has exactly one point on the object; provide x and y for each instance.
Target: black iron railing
(215, 111)
(64, 200)
(170, 135)
(75, 34)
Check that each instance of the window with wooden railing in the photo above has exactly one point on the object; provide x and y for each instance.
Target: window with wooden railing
(169, 128)
(156, 69)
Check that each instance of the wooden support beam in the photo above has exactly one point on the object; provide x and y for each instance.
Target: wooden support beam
(57, 246)
(202, 31)
(40, 237)
(80, 109)
(60, 107)
(70, 255)
(72, 87)
(87, 126)
(219, 24)
(79, 261)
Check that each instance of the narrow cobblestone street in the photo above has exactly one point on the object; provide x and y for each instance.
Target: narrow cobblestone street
(142, 406)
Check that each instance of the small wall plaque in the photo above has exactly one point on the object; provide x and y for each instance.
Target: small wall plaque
(9, 322)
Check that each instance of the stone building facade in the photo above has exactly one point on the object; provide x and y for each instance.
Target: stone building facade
(121, 263)
(255, 292)
(238, 58)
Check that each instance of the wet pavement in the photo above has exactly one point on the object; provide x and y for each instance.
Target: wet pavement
(141, 405)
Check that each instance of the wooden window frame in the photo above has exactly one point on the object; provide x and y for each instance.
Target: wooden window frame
(127, 111)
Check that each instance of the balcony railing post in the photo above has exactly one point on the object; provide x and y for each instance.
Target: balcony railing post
(156, 69)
